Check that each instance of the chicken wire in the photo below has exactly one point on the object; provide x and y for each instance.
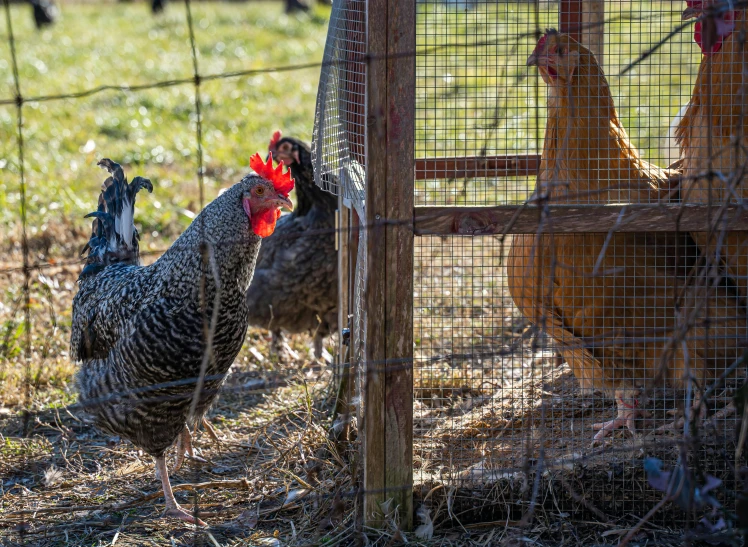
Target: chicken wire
(339, 138)
(504, 413)
(339, 144)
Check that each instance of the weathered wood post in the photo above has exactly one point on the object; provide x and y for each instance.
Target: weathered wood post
(388, 403)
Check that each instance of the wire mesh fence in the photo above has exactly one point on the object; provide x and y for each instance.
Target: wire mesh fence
(554, 370)
(533, 351)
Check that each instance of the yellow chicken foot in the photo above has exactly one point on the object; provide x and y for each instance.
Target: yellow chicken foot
(628, 411)
(172, 507)
(184, 445)
(697, 412)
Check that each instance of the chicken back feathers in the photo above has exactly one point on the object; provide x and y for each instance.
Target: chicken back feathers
(615, 307)
(141, 333)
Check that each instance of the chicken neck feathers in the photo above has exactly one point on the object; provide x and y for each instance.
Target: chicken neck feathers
(716, 114)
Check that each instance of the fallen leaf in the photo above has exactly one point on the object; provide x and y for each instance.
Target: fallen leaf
(294, 495)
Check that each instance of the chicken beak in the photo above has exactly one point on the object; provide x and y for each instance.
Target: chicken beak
(691, 13)
(284, 203)
(532, 60)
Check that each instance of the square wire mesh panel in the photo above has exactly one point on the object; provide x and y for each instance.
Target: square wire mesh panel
(500, 398)
(537, 356)
(477, 98)
(339, 141)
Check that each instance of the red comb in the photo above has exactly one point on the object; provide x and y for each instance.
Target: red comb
(274, 141)
(282, 182)
(544, 39)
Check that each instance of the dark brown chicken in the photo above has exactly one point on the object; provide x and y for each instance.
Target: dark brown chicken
(613, 306)
(295, 287)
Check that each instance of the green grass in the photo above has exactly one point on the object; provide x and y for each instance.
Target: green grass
(152, 132)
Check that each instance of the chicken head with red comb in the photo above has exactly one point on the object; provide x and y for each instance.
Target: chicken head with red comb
(262, 204)
(716, 22)
(274, 141)
(282, 182)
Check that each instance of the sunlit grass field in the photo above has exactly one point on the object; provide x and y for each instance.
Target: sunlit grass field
(153, 133)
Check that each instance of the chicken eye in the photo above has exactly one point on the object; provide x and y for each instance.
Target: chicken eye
(259, 190)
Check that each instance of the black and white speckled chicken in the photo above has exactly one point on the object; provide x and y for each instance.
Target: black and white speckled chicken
(295, 288)
(45, 12)
(149, 338)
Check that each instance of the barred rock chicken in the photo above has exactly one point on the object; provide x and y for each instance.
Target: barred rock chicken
(149, 337)
(295, 288)
(717, 114)
(611, 308)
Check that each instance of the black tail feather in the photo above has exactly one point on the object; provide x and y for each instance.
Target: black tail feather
(114, 238)
(45, 12)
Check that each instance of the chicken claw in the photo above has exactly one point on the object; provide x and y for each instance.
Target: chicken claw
(628, 411)
(179, 513)
(697, 412)
(184, 445)
(212, 432)
(173, 508)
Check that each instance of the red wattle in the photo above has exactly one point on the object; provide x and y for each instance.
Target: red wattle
(725, 26)
(263, 223)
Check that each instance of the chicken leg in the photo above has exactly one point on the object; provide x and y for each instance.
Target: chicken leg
(172, 507)
(696, 412)
(211, 432)
(184, 445)
(628, 410)
(279, 346)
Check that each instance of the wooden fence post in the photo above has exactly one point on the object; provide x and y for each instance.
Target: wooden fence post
(593, 33)
(584, 21)
(388, 405)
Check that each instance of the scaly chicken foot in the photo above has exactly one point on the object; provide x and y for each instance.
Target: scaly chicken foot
(628, 411)
(318, 346)
(184, 446)
(173, 509)
(279, 346)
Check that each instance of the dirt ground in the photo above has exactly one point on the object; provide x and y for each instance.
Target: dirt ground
(498, 434)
